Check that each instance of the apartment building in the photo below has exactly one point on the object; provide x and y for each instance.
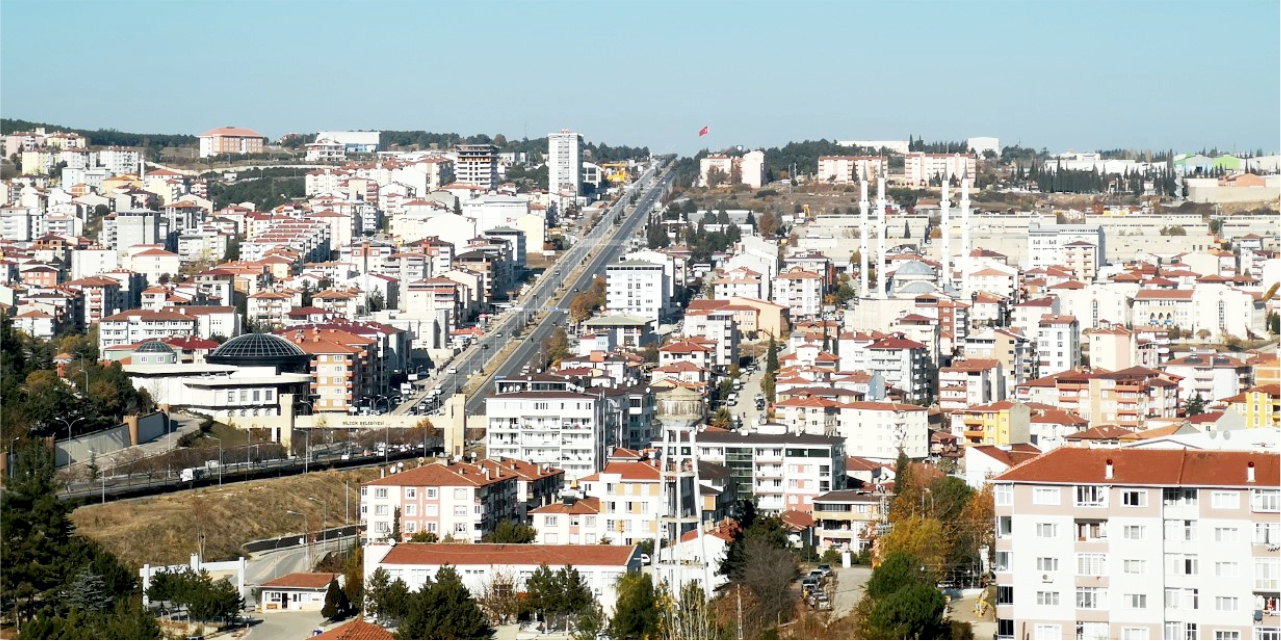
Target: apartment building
(138, 325)
(101, 295)
(876, 430)
(780, 471)
(1139, 544)
(1001, 423)
(846, 520)
(751, 168)
(845, 170)
(561, 427)
(904, 364)
(477, 165)
(1048, 246)
(920, 168)
(1128, 398)
(1260, 406)
(631, 500)
(460, 501)
(564, 163)
(1058, 344)
(637, 288)
(1209, 375)
(231, 140)
(740, 281)
(972, 381)
(801, 291)
(340, 373)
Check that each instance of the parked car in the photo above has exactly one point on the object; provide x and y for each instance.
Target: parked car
(825, 568)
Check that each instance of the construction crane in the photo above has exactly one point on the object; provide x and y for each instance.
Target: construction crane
(616, 172)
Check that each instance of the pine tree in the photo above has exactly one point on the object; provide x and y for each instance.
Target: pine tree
(88, 593)
(336, 604)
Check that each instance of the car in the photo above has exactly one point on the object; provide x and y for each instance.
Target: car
(825, 568)
(452, 370)
(809, 584)
(644, 559)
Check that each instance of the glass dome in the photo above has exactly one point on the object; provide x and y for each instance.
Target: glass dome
(153, 347)
(260, 350)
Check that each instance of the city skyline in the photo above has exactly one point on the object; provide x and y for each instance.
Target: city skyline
(1055, 75)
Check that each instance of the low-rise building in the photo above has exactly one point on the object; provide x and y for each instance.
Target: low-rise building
(460, 501)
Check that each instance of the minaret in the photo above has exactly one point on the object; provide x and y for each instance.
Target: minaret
(862, 233)
(880, 234)
(965, 234)
(945, 208)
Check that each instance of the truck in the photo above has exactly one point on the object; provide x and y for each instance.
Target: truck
(192, 473)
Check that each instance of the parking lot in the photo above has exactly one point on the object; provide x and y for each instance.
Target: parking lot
(843, 588)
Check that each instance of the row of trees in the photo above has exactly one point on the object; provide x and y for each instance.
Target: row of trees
(264, 193)
(196, 593)
(56, 583)
(103, 137)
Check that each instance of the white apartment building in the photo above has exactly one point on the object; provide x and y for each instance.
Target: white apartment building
(564, 163)
(903, 364)
(751, 167)
(740, 282)
(1058, 344)
(919, 168)
(460, 501)
(844, 170)
(637, 288)
(561, 428)
(801, 292)
(478, 565)
(477, 165)
(781, 471)
(137, 325)
(877, 430)
(1139, 544)
(1052, 245)
(630, 495)
(718, 327)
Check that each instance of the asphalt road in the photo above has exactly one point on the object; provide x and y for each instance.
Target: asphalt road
(546, 295)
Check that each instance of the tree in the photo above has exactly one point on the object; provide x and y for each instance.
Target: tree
(635, 612)
(499, 598)
(556, 347)
(395, 522)
(34, 531)
(897, 571)
(914, 612)
(920, 537)
(510, 531)
(558, 594)
(715, 177)
(768, 224)
(386, 599)
(336, 603)
(88, 593)
(444, 609)
(424, 537)
(1194, 405)
(687, 614)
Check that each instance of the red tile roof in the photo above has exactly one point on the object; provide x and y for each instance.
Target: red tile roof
(439, 474)
(357, 630)
(1184, 467)
(581, 506)
(302, 580)
(498, 554)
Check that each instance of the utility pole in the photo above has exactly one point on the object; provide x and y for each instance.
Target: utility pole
(738, 590)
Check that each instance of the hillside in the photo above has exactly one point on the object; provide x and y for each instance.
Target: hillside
(104, 137)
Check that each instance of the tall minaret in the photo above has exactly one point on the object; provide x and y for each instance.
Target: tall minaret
(862, 233)
(965, 234)
(880, 234)
(945, 208)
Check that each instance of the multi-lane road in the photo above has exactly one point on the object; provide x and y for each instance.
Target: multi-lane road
(551, 294)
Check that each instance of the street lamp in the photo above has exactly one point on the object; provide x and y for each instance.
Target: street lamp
(219, 458)
(69, 424)
(306, 526)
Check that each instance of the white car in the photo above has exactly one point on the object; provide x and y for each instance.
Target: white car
(452, 370)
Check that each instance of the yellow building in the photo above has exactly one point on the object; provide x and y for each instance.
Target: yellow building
(1261, 406)
(999, 423)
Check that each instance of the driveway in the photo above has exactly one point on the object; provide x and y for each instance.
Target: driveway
(847, 588)
(285, 625)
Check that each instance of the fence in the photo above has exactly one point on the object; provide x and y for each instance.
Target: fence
(142, 428)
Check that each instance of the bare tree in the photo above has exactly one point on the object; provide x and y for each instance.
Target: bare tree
(498, 597)
(768, 575)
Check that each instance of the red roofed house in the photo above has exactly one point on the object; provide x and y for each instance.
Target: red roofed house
(478, 564)
(631, 496)
(355, 630)
(844, 519)
(1090, 541)
(460, 501)
(297, 592)
(982, 462)
(230, 140)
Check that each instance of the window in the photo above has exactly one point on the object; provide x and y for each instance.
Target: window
(1045, 496)
(1048, 631)
(1180, 530)
(1267, 571)
(1228, 569)
(1091, 496)
(549, 521)
(1135, 566)
(1090, 598)
(1134, 498)
(380, 510)
(1135, 532)
(1093, 630)
(1225, 500)
(1047, 530)
(1227, 635)
(1136, 601)
(460, 510)
(1225, 535)
(461, 494)
(1047, 564)
(1047, 598)
(1267, 533)
(411, 493)
(431, 510)
(411, 527)
(431, 492)
(1181, 564)
(1134, 634)
(1004, 494)
(1180, 630)
(1091, 564)
(1004, 526)
(1004, 595)
(1267, 634)
(1091, 530)
(1003, 561)
(1265, 500)
(1226, 603)
(380, 492)
(411, 510)
(1179, 497)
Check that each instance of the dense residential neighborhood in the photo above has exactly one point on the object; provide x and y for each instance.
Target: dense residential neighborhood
(356, 383)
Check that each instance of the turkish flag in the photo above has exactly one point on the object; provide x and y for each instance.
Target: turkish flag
(702, 132)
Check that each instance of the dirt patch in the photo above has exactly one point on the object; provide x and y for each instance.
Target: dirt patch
(166, 529)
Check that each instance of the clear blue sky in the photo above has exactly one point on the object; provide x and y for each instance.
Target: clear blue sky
(1079, 75)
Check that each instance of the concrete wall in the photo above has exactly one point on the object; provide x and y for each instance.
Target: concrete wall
(148, 428)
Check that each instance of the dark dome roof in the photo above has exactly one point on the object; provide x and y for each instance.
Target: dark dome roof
(153, 346)
(258, 349)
